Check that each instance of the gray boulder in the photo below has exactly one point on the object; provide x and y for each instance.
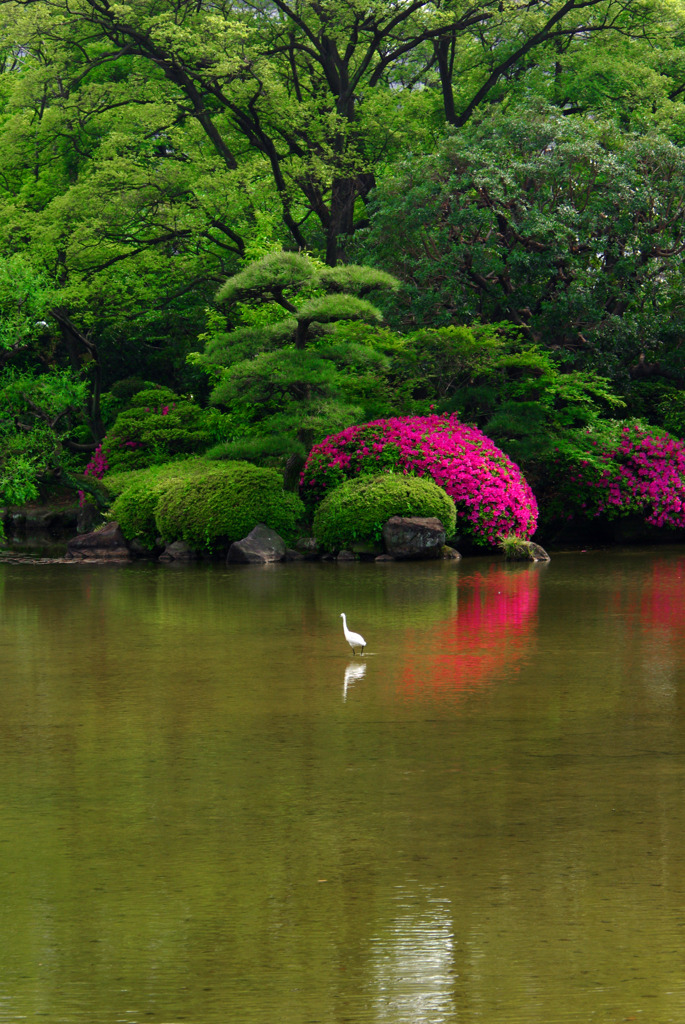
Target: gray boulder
(178, 551)
(261, 545)
(107, 543)
(346, 556)
(293, 555)
(308, 547)
(413, 537)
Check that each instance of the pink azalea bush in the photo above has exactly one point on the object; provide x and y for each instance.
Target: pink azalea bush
(490, 493)
(98, 465)
(640, 470)
(100, 461)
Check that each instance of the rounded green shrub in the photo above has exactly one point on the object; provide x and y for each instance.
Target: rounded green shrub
(134, 511)
(225, 504)
(355, 511)
(135, 508)
(138, 491)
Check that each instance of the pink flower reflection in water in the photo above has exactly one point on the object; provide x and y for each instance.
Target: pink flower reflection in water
(656, 609)
(486, 638)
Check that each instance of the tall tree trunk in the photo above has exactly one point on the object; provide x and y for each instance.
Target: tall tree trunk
(344, 193)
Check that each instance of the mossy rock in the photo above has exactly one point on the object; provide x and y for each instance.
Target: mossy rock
(224, 505)
(518, 550)
(353, 514)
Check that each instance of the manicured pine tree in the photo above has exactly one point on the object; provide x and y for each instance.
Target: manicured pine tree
(286, 373)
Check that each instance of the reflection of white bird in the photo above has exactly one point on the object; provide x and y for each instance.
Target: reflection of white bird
(353, 639)
(353, 672)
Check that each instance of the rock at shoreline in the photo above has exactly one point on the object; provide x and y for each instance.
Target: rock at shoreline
(262, 545)
(308, 548)
(107, 543)
(346, 556)
(450, 554)
(178, 551)
(526, 551)
(407, 537)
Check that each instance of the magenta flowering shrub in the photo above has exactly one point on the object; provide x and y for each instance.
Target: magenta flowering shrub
(490, 493)
(98, 465)
(642, 470)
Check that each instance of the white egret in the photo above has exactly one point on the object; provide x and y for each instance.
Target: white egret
(353, 639)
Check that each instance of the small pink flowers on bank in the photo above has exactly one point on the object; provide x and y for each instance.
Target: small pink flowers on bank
(97, 467)
(491, 495)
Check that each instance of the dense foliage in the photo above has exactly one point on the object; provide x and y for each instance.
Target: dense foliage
(212, 198)
(158, 426)
(284, 374)
(137, 494)
(355, 511)
(250, 121)
(572, 230)
(491, 496)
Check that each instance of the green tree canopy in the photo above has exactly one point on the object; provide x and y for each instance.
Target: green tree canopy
(571, 230)
(307, 97)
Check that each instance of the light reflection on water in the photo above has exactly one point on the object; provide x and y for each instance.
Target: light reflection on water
(209, 812)
(413, 964)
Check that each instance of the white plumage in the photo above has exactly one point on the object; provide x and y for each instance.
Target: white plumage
(353, 639)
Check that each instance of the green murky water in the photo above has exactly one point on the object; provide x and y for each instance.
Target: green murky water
(210, 812)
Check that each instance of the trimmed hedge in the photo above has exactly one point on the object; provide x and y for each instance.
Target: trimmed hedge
(225, 504)
(138, 491)
(357, 509)
(208, 505)
(134, 511)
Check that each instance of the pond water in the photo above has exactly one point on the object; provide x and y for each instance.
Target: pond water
(210, 812)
